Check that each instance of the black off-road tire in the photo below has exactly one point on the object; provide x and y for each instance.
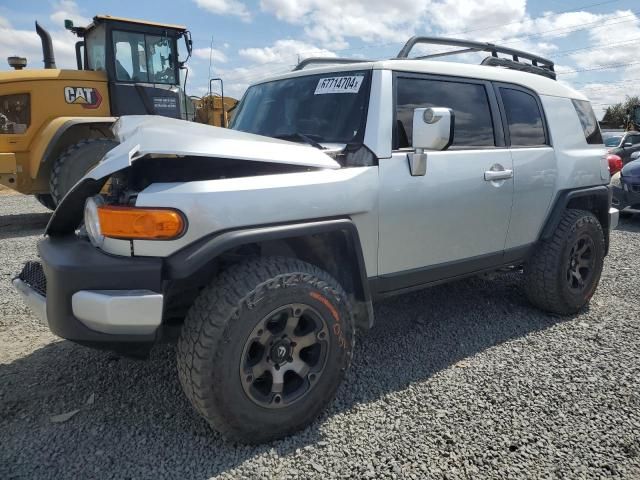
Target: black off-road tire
(546, 273)
(46, 200)
(218, 326)
(74, 163)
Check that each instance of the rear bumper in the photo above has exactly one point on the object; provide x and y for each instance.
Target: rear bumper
(91, 297)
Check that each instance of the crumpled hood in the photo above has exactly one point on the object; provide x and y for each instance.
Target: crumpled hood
(142, 135)
(149, 135)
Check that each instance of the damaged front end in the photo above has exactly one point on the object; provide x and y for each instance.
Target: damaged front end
(163, 150)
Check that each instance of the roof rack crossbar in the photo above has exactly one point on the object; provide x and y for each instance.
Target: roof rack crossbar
(539, 63)
(327, 61)
(445, 54)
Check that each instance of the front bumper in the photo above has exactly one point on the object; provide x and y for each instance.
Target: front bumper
(625, 196)
(91, 297)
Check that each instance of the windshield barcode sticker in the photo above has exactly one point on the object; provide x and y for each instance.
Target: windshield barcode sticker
(350, 84)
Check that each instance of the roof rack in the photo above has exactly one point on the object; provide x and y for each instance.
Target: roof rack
(327, 61)
(538, 65)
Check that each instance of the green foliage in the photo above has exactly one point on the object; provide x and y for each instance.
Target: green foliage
(616, 115)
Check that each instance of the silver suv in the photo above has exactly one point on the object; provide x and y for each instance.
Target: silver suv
(262, 247)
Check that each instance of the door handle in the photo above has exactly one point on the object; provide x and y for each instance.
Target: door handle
(493, 175)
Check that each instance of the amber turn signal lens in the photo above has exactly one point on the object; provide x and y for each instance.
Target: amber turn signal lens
(140, 223)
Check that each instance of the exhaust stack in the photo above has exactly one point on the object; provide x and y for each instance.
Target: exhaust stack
(47, 47)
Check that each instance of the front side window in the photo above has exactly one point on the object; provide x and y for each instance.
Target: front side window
(144, 58)
(326, 108)
(633, 140)
(526, 128)
(469, 102)
(588, 121)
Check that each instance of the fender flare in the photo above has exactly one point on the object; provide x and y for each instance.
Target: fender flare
(602, 201)
(188, 261)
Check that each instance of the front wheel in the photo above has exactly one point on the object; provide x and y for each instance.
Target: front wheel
(74, 163)
(264, 348)
(46, 200)
(563, 273)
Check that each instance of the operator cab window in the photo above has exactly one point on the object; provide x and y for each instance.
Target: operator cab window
(469, 102)
(144, 58)
(526, 128)
(95, 44)
(131, 62)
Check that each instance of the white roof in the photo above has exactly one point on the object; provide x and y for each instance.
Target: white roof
(537, 83)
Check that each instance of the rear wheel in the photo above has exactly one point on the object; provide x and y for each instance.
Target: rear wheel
(563, 273)
(74, 163)
(264, 348)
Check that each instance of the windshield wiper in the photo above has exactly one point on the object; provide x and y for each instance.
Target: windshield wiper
(301, 136)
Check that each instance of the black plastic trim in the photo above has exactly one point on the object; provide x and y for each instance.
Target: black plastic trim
(601, 192)
(192, 259)
(416, 279)
(72, 264)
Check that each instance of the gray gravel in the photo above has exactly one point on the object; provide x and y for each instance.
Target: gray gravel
(461, 381)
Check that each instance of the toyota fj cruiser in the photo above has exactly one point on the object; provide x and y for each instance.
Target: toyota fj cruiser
(265, 245)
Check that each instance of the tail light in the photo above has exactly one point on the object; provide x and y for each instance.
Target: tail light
(615, 163)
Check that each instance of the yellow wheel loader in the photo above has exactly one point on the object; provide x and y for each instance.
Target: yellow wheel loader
(55, 124)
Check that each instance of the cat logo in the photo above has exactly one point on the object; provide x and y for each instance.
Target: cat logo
(86, 96)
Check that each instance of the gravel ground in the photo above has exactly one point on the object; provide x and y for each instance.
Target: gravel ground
(464, 380)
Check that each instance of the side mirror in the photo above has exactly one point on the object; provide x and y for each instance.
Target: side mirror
(627, 144)
(433, 129)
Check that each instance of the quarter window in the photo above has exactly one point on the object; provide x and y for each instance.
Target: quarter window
(588, 121)
(469, 102)
(526, 128)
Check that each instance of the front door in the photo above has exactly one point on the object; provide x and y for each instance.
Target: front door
(455, 218)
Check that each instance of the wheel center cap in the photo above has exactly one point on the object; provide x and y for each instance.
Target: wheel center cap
(280, 351)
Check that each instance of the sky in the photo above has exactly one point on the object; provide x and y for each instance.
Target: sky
(594, 43)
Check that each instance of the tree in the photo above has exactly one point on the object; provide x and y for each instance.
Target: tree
(616, 115)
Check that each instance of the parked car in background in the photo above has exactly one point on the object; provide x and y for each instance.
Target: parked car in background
(623, 144)
(625, 186)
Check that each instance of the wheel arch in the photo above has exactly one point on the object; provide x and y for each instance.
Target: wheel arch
(596, 200)
(61, 133)
(332, 245)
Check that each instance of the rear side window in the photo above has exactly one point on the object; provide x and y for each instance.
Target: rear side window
(588, 121)
(469, 101)
(524, 118)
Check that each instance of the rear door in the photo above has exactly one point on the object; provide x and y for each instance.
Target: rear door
(534, 162)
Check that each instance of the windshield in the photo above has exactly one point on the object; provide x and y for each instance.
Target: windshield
(611, 140)
(327, 108)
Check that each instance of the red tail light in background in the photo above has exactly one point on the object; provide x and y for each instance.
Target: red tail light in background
(615, 163)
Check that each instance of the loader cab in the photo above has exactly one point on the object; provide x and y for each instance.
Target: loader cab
(140, 60)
